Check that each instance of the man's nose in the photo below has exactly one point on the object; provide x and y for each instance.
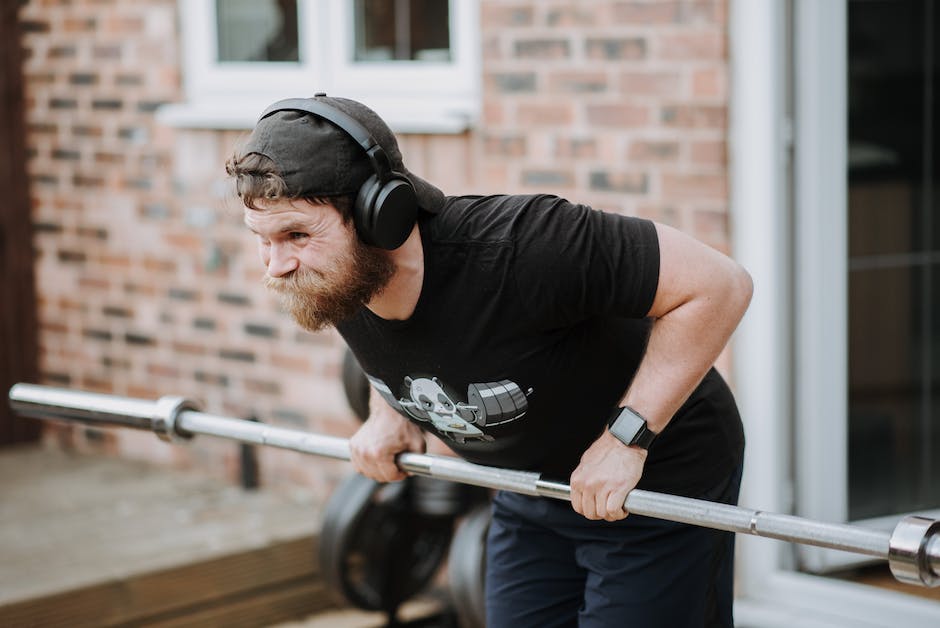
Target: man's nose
(281, 261)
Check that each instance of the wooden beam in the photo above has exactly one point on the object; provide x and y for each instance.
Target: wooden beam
(19, 354)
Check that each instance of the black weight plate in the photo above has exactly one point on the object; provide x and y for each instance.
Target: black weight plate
(356, 385)
(375, 551)
(466, 567)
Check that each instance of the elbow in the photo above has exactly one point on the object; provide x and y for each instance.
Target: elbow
(742, 289)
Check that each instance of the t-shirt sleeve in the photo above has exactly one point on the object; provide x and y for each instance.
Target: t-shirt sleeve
(573, 262)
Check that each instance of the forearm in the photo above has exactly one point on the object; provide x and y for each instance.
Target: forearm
(683, 345)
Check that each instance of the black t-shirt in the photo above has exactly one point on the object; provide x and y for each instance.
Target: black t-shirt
(529, 328)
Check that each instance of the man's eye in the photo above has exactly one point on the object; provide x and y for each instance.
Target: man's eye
(297, 235)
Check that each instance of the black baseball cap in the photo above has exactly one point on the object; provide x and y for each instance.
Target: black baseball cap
(317, 158)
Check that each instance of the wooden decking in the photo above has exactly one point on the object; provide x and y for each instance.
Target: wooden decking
(93, 541)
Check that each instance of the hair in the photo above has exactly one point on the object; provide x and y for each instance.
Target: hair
(256, 178)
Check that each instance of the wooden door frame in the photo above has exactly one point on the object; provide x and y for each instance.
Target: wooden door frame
(19, 326)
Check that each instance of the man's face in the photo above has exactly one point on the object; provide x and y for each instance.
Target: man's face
(315, 262)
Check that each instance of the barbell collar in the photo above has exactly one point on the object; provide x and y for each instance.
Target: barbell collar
(165, 419)
(914, 551)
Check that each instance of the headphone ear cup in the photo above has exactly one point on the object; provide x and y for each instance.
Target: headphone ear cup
(364, 208)
(386, 213)
(395, 213)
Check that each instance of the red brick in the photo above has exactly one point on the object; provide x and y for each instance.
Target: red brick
(505, 146)
(710, 226)
(620, 182)
(695, 186)
(692, 46)
(122, 24)
(710, 83)
(575, 147)
(290, 363)
(574, 81)
(616, 48)
(650, 84)
(545, 115)
(714, 153)
(695, 116)
(642, 13)
(543, 49)
(188, 348)
(625, 116)
(491, 47)
(494, 16)
(494, 113)
(654, 150)
(568, 16)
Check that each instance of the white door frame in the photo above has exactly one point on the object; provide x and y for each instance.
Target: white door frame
(769, 592)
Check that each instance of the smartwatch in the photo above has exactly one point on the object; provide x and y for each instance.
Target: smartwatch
(630, 428)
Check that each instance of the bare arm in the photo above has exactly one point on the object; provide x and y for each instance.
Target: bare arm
(700, 298)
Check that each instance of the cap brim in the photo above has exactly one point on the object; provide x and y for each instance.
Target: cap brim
(430, 198)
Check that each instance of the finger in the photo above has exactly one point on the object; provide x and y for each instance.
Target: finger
(614, 506)
(600, 503)
(576, 495)
(589, 504)
(389, 471)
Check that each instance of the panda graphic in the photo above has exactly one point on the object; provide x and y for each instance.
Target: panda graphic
(425, 399)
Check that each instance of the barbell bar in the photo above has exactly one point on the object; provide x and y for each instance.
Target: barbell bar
(912, 549)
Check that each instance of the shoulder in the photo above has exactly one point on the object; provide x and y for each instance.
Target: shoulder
(496, 218)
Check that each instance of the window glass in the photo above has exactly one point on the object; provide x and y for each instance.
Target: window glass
(257, 30)
(402, 30)
(894, 257)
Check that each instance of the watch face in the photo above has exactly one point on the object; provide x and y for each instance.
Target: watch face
(627, 426)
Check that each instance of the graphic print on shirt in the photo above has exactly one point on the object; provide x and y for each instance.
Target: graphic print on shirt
(489, 404)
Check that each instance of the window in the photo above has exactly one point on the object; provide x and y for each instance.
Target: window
(894, 258)
(256, 31)
(415, 61)
(867, 249)
(402, 30)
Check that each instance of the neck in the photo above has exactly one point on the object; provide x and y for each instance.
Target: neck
(400, 297)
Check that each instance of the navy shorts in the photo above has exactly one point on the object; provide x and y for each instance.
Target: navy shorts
(549, 566)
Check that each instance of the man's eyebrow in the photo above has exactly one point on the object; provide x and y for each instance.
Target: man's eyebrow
(291, 226)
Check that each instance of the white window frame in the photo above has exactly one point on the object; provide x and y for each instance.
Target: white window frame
(770, 592)
(413, 97)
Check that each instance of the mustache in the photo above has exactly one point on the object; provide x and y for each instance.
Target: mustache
(300, 279)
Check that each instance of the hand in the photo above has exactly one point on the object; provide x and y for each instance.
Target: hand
(607, 472)
(382, 437)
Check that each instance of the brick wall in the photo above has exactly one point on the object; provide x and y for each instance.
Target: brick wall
(148, 282)
(620, 105)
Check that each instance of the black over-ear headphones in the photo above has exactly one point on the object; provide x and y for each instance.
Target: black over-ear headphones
(386, 205)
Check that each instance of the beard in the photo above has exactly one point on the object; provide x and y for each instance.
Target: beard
(320, 298)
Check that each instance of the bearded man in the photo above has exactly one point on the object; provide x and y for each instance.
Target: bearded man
(526, 332)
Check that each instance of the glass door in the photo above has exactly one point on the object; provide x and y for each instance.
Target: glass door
(894, 258)
(867, 292)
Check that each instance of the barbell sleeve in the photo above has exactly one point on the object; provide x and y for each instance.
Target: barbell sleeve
(912, 549)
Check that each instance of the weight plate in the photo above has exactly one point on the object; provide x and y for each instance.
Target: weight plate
(356, 385)
(466, 567)
(375, 550)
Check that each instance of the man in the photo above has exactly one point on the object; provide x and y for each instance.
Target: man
(525, 332)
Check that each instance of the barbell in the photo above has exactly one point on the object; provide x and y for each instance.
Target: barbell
(912, 549)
